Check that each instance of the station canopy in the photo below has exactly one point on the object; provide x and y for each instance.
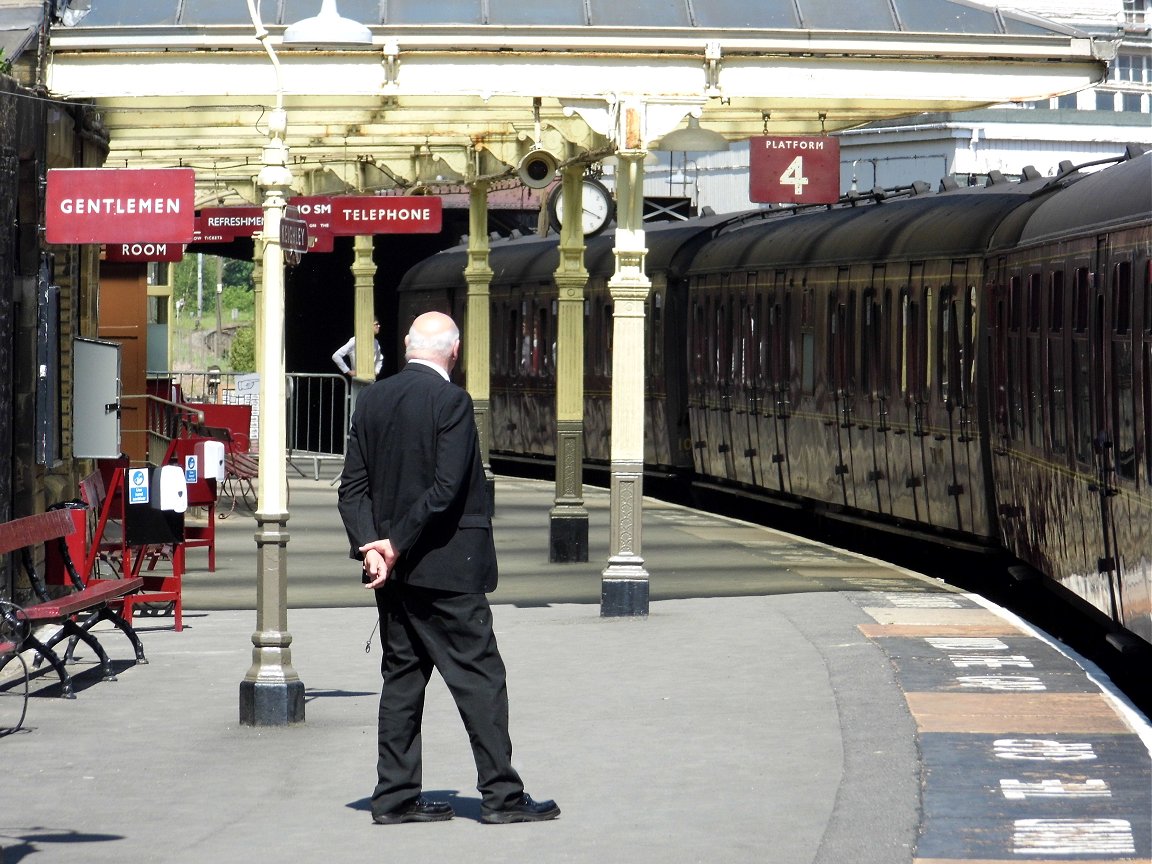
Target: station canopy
(451, 91)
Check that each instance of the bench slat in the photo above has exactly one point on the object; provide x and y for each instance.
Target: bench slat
(95, 594)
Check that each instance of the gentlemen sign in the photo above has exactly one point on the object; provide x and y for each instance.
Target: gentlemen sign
(120, 205)
(794, 170)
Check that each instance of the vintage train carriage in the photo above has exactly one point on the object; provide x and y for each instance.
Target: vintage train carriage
(522, 322)
(1070, 325)
(835, 356)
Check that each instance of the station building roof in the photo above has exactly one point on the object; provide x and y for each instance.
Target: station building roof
(454, 90)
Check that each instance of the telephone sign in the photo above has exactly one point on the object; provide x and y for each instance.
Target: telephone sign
(794, 169)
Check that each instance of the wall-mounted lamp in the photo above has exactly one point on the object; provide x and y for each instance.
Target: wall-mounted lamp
(693, 138)
(328, 28)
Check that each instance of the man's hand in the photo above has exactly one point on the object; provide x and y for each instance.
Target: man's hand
(379, 557)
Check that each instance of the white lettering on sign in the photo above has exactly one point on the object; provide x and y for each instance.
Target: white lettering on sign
(235, 221)
(119, 206)
(794, 176)
(136, 250)
(1042, 750)
(922, 601)
(966, 643)
(394, 214)
(1018, 790)
(1002, 683)
(308, 209)
(793, 144)
(1073, 837)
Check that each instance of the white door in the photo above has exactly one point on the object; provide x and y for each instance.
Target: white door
(96, 399)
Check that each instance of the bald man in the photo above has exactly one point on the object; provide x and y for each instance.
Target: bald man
(416, 508)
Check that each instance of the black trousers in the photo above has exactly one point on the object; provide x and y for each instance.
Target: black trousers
(422, 629)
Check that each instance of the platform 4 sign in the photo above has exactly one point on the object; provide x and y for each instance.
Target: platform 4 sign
(120, 205)
(794, 169)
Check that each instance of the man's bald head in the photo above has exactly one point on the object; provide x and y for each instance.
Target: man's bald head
(433, 337)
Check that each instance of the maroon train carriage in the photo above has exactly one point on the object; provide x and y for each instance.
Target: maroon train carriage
(973, 364)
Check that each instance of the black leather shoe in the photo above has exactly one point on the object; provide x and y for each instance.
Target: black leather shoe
(420, 810)
(524, 810)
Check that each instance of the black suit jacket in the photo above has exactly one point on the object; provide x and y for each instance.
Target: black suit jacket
(413, 475)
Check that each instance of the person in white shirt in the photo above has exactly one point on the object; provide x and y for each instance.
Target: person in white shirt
(348, 350)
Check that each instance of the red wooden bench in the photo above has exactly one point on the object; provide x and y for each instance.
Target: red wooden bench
(94, 601)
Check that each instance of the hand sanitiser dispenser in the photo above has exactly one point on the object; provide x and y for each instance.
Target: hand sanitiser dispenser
(211, 455)
(169, 489)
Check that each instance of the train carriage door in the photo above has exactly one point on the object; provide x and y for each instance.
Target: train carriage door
(910, 423)
(838, 390)
(778, 339)
(726, 340)
(954, 370)
(697, 378)
(743, 332)
(873, 390)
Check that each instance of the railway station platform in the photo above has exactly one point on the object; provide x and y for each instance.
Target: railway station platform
(783, 702)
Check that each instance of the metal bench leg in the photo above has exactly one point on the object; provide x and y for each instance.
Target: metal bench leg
(71, 629)
(66, 691)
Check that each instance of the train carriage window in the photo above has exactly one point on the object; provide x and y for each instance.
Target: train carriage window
(697, 341)
(607, 333)
(763, 331)
(1034, 381)
(750, 329)
(1123, 394)
(1080, 303)
(1056, 301)
(1123, 408)
(1147, 419)
(868, 340)
(495, 337)
(807, 344)
(1081, 400)
(1014, 303)
(1034, 304)
(514, 334)
(911, 349)
(968, 347)
(1057, 395)
(1122, 297)
(656, 329)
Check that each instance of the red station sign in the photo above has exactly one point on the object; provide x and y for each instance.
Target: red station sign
(794, 169)
(384, 214)
(133, 252)
(120, 205)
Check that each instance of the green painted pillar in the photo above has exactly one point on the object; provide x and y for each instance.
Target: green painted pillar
(477, 350)
(568, 519)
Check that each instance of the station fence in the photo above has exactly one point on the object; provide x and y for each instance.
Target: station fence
(319, 410)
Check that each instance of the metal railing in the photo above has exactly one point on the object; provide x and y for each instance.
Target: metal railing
(319, 409)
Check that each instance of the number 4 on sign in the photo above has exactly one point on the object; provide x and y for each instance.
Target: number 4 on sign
(794, 176)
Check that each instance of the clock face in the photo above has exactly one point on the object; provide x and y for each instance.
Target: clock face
(597, 209)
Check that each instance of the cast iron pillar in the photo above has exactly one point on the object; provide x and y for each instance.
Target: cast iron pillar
(477, 351)
(624, 584)
(568, 519)
(271, 693)
(363, 276)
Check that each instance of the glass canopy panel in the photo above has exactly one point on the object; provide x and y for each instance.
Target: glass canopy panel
(438, 12)
(945, 16)
(639, 13)
(221, 12)
(768, 14)
(871, 16)
(361, 11)
(557, 13)
(127, 13)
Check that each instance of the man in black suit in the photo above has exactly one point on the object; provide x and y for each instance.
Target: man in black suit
(417, 511)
